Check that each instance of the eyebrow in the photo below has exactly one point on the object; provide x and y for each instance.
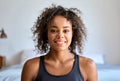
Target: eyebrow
(57, 27)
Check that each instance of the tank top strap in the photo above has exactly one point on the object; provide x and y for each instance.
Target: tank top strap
(41, 68)
(76, 65)
(77, 59)
(42, 63)
(41, 59)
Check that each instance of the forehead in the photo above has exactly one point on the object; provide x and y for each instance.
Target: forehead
(60, 21)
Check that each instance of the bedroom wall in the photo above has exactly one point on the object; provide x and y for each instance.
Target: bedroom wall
(101, 18)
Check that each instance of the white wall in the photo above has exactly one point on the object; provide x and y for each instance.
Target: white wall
(101, 18)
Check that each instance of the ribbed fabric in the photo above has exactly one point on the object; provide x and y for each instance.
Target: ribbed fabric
(74, 75)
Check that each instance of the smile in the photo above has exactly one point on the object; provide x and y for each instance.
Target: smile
(60, 42)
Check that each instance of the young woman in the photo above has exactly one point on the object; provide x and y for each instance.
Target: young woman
(58, 32)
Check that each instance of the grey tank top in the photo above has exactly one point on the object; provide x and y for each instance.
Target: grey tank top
(73, 75)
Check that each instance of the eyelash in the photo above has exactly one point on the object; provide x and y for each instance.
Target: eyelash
(53, 31)
(65, 31)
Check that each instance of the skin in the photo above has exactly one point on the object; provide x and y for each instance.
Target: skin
(59, 37)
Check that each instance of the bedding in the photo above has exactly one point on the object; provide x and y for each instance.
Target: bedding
(108, 72)
(105, 72)
(11, 73)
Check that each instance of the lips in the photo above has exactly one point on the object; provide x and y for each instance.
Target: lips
(59, 42)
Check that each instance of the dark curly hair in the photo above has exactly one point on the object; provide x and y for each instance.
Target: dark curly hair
(41, 25)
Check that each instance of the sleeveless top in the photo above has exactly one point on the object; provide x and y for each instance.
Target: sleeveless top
(73, 75)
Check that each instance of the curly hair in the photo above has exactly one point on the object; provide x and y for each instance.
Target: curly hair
(40, 27)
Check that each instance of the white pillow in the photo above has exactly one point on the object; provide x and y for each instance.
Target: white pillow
(97, 58)
(27, 54)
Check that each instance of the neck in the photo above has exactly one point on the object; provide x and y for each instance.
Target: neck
(58, 55)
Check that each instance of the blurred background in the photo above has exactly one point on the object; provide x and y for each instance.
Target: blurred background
(101, 18)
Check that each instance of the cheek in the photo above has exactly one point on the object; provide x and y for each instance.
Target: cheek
(69, 37)
(50, 37)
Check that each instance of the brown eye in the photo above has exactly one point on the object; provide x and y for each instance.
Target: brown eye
(52, 31)
(65, 31)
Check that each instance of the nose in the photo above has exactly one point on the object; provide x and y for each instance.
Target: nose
(60, 34)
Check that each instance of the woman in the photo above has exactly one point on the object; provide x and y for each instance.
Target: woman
(58, 32)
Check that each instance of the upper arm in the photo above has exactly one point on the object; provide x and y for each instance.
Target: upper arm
(91, 70)
(88, 69)
(30, 70)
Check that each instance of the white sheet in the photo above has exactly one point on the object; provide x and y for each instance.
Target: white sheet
(108, 72)
(12, 73)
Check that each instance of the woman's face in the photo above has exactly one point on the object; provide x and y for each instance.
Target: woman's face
(60, 33)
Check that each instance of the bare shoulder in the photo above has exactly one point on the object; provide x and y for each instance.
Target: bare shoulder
(88, 67)
(32, 62)
(87, 61)
(30, 69)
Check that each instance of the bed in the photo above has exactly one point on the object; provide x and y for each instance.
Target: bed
(105, 72)
(11, 73)
(108, 72)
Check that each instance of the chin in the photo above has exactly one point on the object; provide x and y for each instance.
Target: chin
(61, 49)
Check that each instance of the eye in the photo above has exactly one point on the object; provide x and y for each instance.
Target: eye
(66, 30)
(52, 30)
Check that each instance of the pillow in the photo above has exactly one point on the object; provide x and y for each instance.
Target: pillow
(97, 58)
(27, 54)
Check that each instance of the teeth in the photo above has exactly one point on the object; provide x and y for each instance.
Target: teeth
(60, 42)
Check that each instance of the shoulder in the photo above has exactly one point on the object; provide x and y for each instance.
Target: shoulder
(30, 69)
(86, 61)
(88, 67)
(32, 62)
